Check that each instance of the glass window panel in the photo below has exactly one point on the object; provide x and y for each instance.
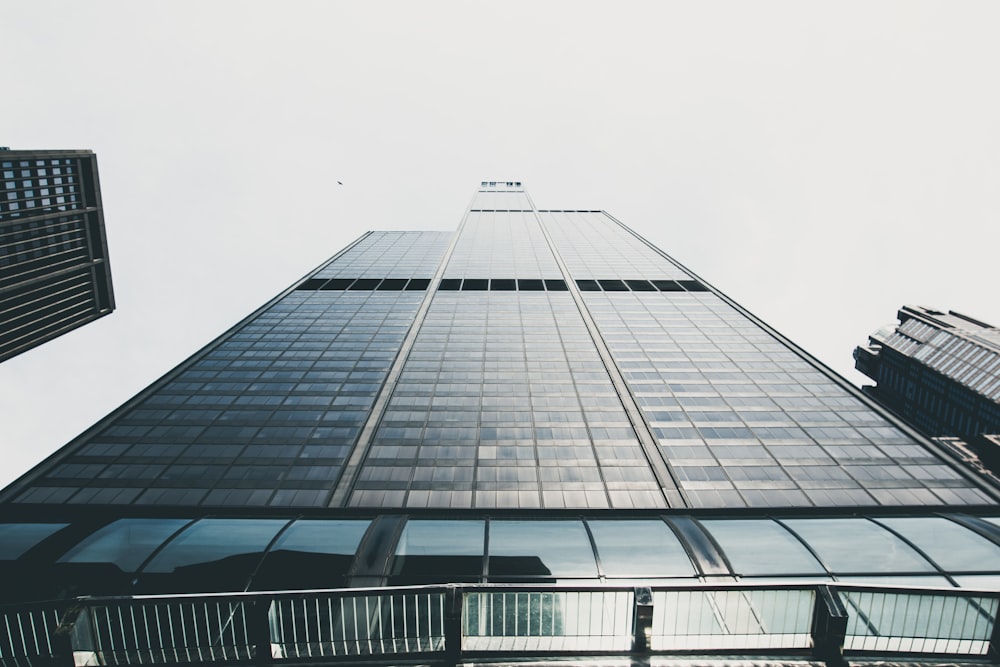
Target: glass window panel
(858, 545)
(540, 548)
(440, 550)
(639, 549)
(953, 547)
(16, 538)
(312, 553)
(761, 547)
(212, 555)
(891, 580)
(125, 543)
(989, 582)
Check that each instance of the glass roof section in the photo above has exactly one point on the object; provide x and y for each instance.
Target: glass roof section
(953, 547)
(856, 545)
(17, 538)
(440, 550)
(639, 548)
(559, 549)
(225, 554)
(759, 547)
(125, 543)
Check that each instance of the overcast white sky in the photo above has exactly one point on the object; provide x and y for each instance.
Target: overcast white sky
(821, 163)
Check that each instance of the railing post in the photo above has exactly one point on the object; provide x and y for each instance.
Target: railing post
(259, 628)
(642, 625)
(74, 635)
(993, 653)
(829, 627)
(453, 609)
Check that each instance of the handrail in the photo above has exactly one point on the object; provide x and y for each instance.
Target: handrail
(454, 622)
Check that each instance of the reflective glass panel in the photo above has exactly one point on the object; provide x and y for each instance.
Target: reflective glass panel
(16, 538)
(986, 581)
(211, 555)
(431, 550)
(950, 545)
(213, 541)
(890, 580)
(761, 547)
(639, 549)
(311, 554)
(858, 545)
(125, 543)
(540, 548)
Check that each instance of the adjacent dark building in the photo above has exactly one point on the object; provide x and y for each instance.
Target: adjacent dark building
(537, 437)
(54, 272)
(940, 372)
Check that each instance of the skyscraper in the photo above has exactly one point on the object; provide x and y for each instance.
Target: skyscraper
(940, 372)
(572, 443)
(54, 272)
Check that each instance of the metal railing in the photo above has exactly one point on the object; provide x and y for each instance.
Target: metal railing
(341, 623)
(455, 622)
(745, 619)
(26, 633)
(925, 622)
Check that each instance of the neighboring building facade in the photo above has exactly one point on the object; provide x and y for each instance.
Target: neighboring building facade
(54, 272)
(538, 436)
(940, 372)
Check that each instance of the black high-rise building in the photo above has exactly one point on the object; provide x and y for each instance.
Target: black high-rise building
(940, 372)
(54, 272)
(539, 436)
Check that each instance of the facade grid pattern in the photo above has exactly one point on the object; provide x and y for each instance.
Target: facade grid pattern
(567, 440)
(54, 273)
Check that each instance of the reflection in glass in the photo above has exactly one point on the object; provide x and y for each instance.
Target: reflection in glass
(639, 549)
(16, 538)
(125, 543)
(439, 550)
(858, 545)
(212, 555)
(312, 553)
(540, 548)
(950, 545)
(761, 547)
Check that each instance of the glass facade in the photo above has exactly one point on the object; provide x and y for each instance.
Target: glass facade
(533, 360)
(541, 400)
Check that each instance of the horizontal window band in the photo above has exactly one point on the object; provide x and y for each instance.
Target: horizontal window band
(366, 284)
(615, 285)
(502, 285)
(499, 285)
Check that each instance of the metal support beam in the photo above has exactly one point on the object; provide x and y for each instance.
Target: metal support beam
(829, 627)
(260, 629)
(73, 641)
(453, 602)
(994, 651)
(642, 627)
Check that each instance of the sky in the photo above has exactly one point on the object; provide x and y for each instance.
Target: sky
(822, 163)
